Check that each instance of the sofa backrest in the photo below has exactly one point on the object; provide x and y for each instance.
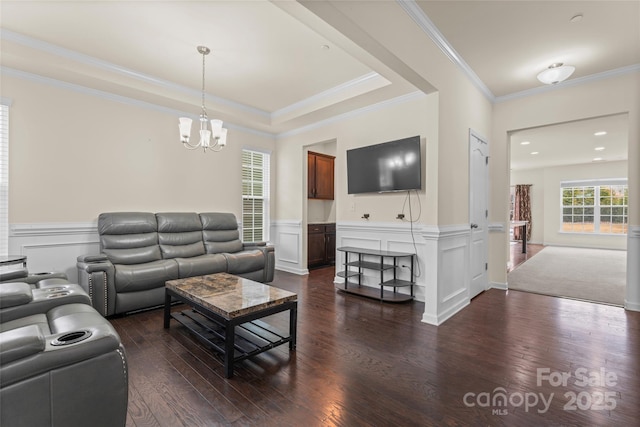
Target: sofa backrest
(129, 237)
(220, 232)
(180, 234)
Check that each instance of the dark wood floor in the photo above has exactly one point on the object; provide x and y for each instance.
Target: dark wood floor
(360, 362)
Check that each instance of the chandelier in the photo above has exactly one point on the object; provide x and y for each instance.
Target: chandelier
(210, 139)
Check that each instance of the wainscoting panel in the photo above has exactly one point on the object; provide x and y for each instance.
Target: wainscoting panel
(54, 247)
(287, 238)
(447, 278)
(419, 239)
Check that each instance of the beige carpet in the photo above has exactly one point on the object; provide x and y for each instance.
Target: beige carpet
(597, 275)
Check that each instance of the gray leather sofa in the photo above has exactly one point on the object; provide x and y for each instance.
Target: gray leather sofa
(61, 362)
(140, 251)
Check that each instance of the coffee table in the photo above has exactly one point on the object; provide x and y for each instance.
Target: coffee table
(225, 312)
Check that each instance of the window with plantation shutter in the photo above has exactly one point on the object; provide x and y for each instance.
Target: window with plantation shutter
(4, 177)
(255, 196)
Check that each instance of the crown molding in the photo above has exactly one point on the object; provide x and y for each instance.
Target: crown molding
(361, 83)
(571, 82)
(116, 98)
(116, 69)
(422, 20)
(353, 113)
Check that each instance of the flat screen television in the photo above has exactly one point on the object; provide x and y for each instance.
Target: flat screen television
(390, 166)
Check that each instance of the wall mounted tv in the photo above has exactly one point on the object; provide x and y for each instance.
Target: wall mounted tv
(390, 166)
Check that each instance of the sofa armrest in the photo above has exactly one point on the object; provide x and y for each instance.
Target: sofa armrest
(43, 300)
(14, 294)
(20, 343)
(14, 275)
(249, 245)
(96, 275)
(269, 258)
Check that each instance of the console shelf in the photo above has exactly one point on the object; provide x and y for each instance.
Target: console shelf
(382, 294)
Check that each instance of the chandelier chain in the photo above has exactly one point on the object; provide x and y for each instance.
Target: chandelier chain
(204, 110)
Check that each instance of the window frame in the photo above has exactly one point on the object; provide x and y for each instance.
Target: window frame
(595, 208)
(265, 197)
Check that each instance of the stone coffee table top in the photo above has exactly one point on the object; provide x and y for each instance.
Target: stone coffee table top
(228, 295)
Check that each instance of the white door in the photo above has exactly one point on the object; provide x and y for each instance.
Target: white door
(478, 212)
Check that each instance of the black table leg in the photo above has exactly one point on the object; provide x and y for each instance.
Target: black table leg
(293, 318)
(229, 350)
(167, 309)
(524, 238)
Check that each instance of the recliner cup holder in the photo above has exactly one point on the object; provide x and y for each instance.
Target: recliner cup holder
(58, 294)
(55, 289)
(71, 338)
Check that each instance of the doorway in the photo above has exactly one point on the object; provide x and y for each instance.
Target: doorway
(565, 164)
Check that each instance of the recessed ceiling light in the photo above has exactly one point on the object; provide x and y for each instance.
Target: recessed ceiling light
(534, 152)
(576, 18)
(597, 159)
(599, 148)
(600, 133)
(525, 143)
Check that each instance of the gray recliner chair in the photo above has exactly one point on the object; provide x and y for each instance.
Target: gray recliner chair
(61, 362)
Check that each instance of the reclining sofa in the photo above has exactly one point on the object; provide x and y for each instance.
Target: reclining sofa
(61, 362)
(140, 251)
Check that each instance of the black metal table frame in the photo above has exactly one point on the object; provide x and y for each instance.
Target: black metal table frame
(230, 326)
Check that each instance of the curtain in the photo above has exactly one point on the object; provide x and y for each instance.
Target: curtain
(522, 210)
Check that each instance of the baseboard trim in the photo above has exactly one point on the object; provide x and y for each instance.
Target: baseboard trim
(632, 306)
(498, 285)
(298, 271)
(446, 315)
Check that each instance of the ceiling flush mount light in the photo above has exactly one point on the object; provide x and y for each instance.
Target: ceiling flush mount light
(534, 153)
(214, 139)
(556, 73)
(599, 148)
(525, 143)
(601, 133)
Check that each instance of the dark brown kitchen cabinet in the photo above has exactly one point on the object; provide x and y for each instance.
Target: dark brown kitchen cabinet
(321, 245)
(320, 176)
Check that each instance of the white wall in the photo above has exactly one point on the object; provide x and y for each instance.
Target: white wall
(74, 155)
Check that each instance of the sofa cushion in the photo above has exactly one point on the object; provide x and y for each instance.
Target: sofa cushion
(220, 232)
(180, 234)
(245, 261)
(129, 237)
(133, 255)
(143, 276)
(201, 265)
(127, 223)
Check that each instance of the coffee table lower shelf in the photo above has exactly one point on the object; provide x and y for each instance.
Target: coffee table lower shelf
(251, 338)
